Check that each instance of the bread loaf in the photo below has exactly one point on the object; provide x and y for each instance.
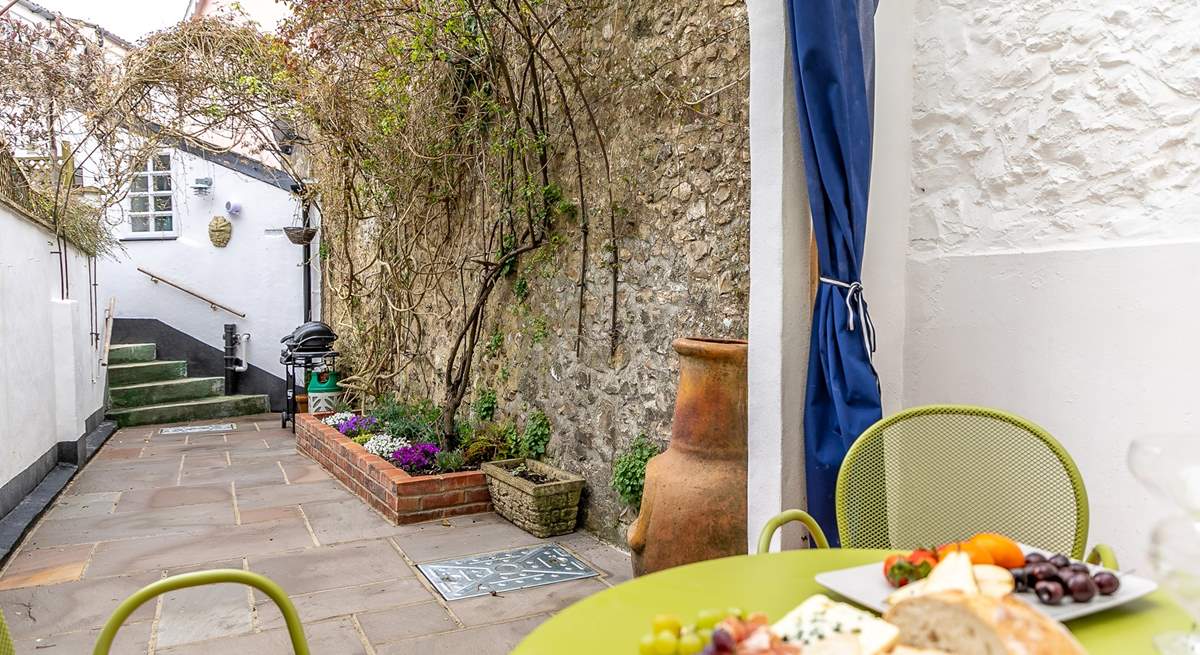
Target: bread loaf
(979, 625)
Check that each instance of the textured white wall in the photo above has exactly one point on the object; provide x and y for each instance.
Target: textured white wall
(1052, 124)
(1054, 227)
(257, 274)
(52, 377)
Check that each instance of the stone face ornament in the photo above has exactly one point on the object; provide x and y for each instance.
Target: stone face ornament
(220, 231)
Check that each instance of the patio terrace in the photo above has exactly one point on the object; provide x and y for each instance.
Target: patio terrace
(151, 505)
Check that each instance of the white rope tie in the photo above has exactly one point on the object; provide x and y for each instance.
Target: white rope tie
(857, 305)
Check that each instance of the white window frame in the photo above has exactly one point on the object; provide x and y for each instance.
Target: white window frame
(150, 174)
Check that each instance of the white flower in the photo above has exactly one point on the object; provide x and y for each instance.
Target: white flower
(384, 445)
(334, 420)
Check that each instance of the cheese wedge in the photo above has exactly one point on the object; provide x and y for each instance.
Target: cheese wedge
(820, 618)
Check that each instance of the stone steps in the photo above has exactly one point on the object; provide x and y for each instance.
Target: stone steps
(157, 393)
(191, 410)
(130, 353)
(123, 375)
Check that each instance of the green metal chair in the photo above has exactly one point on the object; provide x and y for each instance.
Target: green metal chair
(183, 581)
(940, 473)
(6, 644)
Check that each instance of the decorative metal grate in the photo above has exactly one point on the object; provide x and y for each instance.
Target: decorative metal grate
(193, 429)
(507, 570)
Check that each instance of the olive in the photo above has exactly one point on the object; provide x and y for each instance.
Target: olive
(1080, 567)
(1049, 592)
(1061, 561)
(1041, 571)
(1020, 579)
(1081, 587)
(1106, 582)
(723, 641)
(1034, 558)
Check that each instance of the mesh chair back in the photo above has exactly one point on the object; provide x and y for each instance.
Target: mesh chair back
(6, 644)
(940, 473)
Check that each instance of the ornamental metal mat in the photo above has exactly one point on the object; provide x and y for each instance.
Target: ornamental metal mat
(506, 570)
(193, 429)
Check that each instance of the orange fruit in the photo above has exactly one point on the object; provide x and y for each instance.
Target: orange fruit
(1004, 551)
(978, 555)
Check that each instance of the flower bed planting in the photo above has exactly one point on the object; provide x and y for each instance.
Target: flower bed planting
(401, 496)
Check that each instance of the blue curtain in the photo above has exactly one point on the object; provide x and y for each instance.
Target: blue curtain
(834, 61)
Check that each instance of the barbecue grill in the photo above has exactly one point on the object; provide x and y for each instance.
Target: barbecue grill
(308, 348)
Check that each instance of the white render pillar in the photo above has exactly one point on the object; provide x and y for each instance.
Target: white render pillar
(780, 294)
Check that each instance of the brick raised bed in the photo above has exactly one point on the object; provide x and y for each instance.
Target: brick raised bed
(400, 497)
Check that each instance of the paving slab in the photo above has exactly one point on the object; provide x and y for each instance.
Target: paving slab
(612, 562)
(331, 567)
(291, 494)
(191, 519)
(270, 514)
(129, 476)
(132, 639)
(334, 637)
(246, 475)
(44, 566)
(399, 623)
(346, 520)
(204, 613)
(495, 639)
(153, 553)
(524, 602)
(50, 609)
(141, 500)
(434, 541)
(347, 600)
(70, 506)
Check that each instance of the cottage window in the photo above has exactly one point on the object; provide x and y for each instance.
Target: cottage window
(151, 203)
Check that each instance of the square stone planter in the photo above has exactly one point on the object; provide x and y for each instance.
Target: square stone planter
(400, 497)
(543, 510)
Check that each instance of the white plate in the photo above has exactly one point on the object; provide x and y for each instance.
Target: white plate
(866, 586)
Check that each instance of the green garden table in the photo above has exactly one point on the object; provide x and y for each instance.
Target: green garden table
(612, 621)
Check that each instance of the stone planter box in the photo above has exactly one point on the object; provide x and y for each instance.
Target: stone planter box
(400, 497)
(543, 510)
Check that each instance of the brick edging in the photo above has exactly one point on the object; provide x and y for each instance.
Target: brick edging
(400, 497)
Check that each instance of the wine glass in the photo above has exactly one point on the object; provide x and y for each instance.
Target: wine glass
(1170, 467)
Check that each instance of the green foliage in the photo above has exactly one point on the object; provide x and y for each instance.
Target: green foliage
(521, 289)
(417, 422)
(494, 343)
(629, 471)
(536, 436)
(539, 330)
(492, 442)
(448, 461)
(363, 438)
(485, 405)
(324, 251)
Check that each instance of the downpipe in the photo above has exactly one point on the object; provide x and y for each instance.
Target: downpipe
(235, 357)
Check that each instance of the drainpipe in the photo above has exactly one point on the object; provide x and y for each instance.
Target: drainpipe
(230, 359)
(306, 262)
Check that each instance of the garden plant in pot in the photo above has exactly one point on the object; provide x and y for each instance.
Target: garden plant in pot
(539, 498)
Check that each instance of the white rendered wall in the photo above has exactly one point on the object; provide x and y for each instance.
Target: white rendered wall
(257, 274)
(780, 300)
(1055, 228)
(52, 377)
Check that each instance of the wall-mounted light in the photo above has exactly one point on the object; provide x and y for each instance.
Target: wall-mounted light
(202, 186)
(233, 208)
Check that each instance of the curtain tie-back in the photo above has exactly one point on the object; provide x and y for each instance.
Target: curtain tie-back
(857, 306)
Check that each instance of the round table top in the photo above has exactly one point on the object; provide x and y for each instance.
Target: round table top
(612, 621)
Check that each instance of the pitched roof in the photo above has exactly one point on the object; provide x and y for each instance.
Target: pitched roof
(51, 15)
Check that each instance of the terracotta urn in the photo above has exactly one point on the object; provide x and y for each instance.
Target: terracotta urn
(694, 502)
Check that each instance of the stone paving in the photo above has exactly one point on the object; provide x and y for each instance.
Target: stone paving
(151, 505)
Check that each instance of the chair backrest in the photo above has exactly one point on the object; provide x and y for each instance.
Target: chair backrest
(6, 644)
(940, 473)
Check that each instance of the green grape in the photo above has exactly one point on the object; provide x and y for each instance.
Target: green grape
(705, 634)
(668, 622)
(646, 645)
(665, 643)
(733, 611)
(709, 618)
(690, 644)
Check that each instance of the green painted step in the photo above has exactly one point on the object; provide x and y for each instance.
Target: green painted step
(191, 410)
(156, 393)
(123, 375)
(128, 353)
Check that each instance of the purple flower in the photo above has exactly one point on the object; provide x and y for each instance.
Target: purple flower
(418, 457)
(356, 425)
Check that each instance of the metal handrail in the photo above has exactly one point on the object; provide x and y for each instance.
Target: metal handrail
(214, 305)
(109, 315)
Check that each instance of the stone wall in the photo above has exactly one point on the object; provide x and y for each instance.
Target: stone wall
(668, 84)
(1043, 124)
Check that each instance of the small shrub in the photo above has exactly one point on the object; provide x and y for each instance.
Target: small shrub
(485, 405)
(384, 445)
(629, 471)
(449, 461)
(362, 439)
(492, 442)
(536, 436)
(335, 419)
(415, 422)
(358, 425)
(521, 289)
